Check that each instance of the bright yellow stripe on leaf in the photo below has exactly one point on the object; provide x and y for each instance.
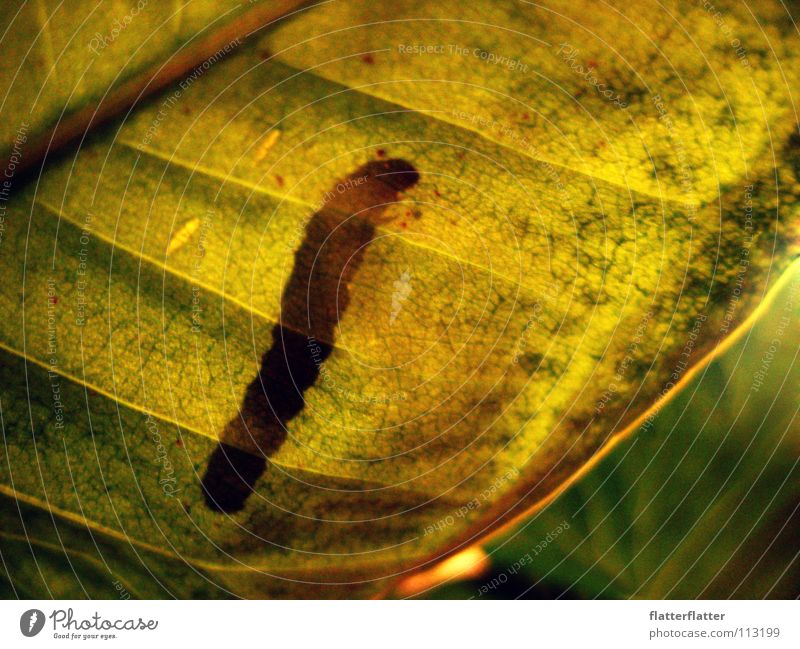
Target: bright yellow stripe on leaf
(183, 235)
(269, 141)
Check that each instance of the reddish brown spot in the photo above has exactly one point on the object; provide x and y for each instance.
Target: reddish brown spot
(381, 153)
(179, 443)
(185, 110)
(53, 300)
(368, 59)
(265, 54)
(403, 224)
(281, 182)
(591, 63)
(526, 116)
(436, 191)
(187, 508)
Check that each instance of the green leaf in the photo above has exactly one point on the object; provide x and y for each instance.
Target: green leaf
(513, 310)
(46, 557)
(69, 65)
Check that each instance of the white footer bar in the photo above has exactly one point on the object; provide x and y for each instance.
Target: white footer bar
(401, 624)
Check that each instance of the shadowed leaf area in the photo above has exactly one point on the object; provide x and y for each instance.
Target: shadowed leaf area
(703, 504)
(325, 308)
